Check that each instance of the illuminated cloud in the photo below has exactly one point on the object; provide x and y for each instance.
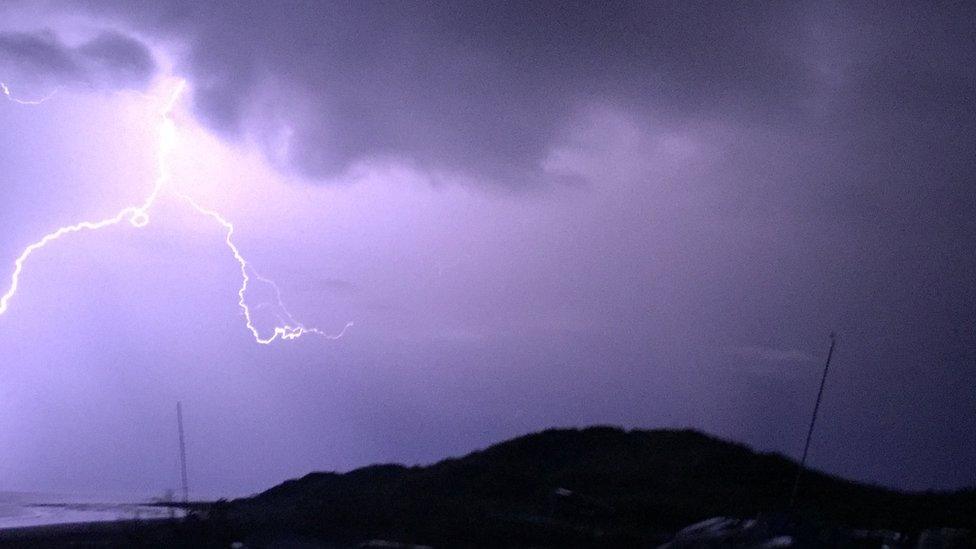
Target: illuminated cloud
(458, 87)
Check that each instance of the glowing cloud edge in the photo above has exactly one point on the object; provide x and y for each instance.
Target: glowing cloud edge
(138, 216)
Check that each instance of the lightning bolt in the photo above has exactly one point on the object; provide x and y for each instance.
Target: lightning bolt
(290, 329)
(138, 216)
(10, 96)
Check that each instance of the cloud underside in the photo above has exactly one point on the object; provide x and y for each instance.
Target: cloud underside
(498, 92)
(108, 60)
(486, 90)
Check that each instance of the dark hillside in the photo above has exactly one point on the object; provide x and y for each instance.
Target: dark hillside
(578, 486)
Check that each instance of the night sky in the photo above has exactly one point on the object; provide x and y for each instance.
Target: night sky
(535, 214)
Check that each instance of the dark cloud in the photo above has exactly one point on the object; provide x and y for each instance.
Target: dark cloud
(110, 59)
(118, 57)
(485, 88)
(40, 51)
(477, 88)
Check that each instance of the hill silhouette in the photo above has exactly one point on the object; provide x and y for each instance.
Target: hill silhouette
(590, 486)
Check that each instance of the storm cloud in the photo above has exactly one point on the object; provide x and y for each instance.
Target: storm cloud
(649, 214)
(108, 60)
(473, 88)
(484, 90)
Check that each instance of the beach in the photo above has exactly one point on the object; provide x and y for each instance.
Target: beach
(32, 509)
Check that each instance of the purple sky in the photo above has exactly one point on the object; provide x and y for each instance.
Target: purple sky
(536, 215)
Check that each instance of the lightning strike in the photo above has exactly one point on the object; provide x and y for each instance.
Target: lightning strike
(290, 329)
(10, 96)
(138, 217)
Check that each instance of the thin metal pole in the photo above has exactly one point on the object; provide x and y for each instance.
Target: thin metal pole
(179, 419)
(813, 421)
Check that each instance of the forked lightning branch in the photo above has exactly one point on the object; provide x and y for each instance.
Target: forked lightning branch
(138, 217)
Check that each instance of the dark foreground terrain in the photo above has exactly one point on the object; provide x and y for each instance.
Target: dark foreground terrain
(599, 486)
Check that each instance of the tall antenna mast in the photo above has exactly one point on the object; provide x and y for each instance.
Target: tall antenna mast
(179, 420)
(813, 421)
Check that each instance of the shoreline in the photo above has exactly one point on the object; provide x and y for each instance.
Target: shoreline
(51, 532)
